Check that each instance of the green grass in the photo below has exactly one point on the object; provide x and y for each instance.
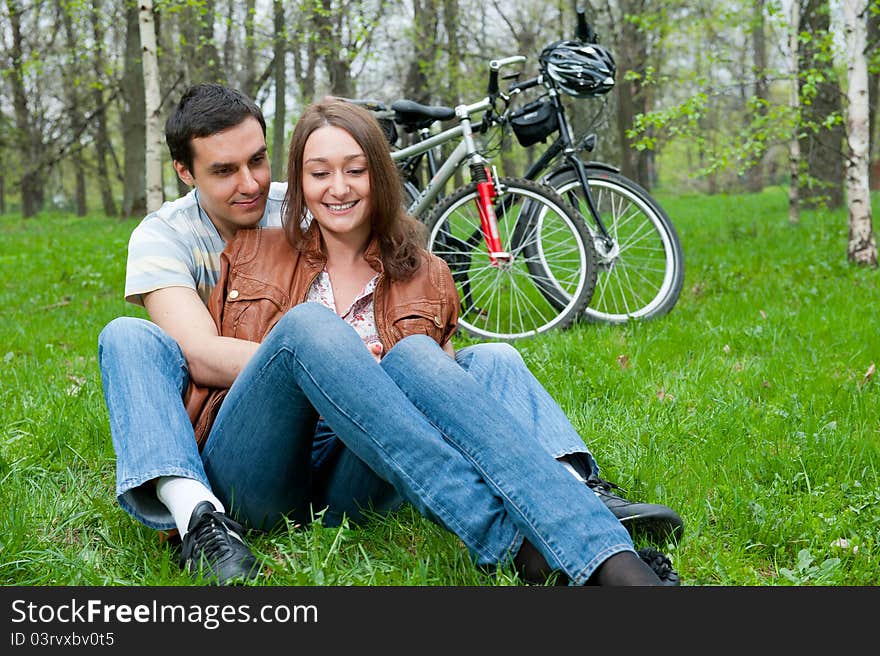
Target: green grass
(747, 409)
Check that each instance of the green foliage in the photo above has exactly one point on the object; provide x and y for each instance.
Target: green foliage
(807, 572)
(682, 120)
(752, 409)
(715, 109)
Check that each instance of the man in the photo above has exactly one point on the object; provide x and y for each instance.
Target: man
(216, 137)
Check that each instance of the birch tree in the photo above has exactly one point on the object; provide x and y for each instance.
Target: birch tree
(861, 249)
(794, 145)
(152, 105)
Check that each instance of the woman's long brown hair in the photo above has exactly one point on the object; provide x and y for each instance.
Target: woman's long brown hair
(400, 236)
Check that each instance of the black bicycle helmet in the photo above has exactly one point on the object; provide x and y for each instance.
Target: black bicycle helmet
(579, 69)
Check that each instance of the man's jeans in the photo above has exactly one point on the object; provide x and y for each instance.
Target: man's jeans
(470, 442)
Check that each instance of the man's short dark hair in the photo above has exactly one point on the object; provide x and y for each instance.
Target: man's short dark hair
(203, 110)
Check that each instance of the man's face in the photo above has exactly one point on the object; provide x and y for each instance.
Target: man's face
(231, 171)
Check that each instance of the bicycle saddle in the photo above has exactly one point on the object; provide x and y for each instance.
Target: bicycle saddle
(414, 116)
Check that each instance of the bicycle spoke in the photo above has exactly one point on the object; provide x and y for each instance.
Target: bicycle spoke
(516, 295)
(640, 272)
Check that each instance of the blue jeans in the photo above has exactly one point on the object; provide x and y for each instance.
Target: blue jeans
(471, 442)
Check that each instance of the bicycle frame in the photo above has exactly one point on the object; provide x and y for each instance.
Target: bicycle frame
(466, 150)
(441, 176)
(564, 144)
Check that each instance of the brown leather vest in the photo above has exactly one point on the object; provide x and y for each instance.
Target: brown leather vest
(262, 276)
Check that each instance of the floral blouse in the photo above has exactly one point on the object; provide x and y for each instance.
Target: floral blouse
(359, 315)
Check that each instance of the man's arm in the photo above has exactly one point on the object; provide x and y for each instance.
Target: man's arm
(214, 361)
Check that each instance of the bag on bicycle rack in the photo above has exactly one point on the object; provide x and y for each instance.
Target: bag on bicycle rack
(534, 122)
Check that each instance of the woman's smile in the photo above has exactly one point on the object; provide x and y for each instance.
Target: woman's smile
(341, 208)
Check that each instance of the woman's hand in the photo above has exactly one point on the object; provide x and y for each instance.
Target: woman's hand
(376, 349)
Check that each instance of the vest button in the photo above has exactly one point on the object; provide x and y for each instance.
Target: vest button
(233, 294)
(437, 321)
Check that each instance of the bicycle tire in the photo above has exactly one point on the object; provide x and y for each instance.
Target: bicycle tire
(506, 301)
(641, 276)
(410, 194)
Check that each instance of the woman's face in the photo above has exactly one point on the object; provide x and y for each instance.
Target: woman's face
(336, 183)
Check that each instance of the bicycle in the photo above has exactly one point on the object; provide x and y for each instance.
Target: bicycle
(490, 231)
(639, 254)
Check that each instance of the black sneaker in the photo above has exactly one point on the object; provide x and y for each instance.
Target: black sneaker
(650, 520)
(213, 547)
(661, 565)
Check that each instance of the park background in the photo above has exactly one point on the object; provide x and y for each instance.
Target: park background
(751, 408)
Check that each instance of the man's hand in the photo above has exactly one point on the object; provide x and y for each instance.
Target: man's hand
(213, 361)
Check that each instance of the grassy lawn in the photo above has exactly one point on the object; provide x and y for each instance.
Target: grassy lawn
(752, 409)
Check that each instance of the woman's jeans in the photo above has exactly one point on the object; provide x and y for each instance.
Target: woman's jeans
(314, 425)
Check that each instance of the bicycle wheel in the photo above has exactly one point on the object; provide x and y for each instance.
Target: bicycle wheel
(410, 194)
(640, 276)
(505, 299)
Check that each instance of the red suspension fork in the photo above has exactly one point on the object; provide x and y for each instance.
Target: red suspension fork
(486, 206)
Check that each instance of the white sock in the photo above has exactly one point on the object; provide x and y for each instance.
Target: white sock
(574, 472)
(181, 495)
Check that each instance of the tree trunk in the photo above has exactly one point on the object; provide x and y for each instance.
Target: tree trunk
(453, 65)
(625, 106)
(300, 47)
(134, 200)
(152, 100)
(31, 181)
(632, 96)
(421, 71)
(821, 148)
(755, 174)
(199, 52)
(250, 57)
(702, 147)
(416, 84)
(74, 109)
(453, 49)
(279, 141)
(861, 249)
(794, 146)
(330, 37)
(304, 61)
(102, 139)
(212, 70)
(230, 58)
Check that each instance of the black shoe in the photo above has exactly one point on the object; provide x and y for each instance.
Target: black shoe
(661, 565)
(213, 546)
(650, 520)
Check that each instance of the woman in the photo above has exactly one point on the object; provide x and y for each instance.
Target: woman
(368, 357)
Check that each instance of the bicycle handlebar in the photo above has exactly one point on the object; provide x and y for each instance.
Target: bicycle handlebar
(522, 86)
(494, 66)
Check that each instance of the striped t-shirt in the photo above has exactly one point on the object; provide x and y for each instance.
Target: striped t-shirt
(178, 246)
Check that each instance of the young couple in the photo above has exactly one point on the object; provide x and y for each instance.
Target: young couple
(306, 369)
